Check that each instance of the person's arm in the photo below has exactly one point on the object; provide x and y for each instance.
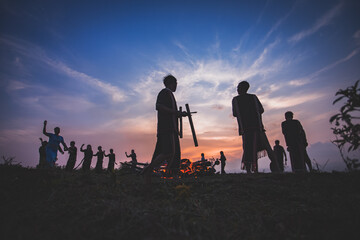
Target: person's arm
(106, 155)
(261, 109)
(60, 150)
(127, 155)
(81, 148)
(64, 144)
(303, 135)
(234, 107)
(44, 129)
(283, 150)
(96, 154)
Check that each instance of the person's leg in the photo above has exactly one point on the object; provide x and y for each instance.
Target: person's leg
(174, 166)
(307, 160)
(249, 150)
(164, 150)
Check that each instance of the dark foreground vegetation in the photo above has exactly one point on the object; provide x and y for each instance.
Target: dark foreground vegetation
(40, 204)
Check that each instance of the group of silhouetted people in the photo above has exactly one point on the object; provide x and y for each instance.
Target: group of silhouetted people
(48, 153)
(246, 108)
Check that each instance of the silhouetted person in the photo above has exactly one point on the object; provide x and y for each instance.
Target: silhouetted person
(203, 157)
(296, 142)
(133, 159)
(223, 162)
(112, 162)
(42, 153)
(280, 153)
(88, 155)
(100, 159)
(53, 145)
(167, 145)
(248, 110)
(72, 157)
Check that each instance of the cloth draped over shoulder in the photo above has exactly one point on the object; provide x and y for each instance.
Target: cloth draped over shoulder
(247, 109)
(167, 122)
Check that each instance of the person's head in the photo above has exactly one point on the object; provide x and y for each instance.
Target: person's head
(243, 87)
(44, 143)
(202, 154)
(132, 151)
(277, 142)
(111, 150)
(88, 147)
(72, 143)
(221, 153)
(57, 130)
(289, 115)
(99, 148)
(170, 82)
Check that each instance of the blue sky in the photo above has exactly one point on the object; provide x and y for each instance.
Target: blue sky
(94, 69)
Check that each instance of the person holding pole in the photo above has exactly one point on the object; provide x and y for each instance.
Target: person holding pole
(168, 144)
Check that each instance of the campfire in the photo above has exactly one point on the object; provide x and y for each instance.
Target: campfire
(190, 169)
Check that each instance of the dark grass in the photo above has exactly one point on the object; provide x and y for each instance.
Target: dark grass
(39, 204)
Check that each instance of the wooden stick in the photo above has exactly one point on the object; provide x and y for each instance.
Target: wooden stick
(181, 124)
(191, 125)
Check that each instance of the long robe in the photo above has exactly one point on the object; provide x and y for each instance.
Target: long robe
(247, 109)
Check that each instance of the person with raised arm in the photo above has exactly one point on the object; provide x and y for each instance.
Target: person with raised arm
(53, 145)
(133, 159)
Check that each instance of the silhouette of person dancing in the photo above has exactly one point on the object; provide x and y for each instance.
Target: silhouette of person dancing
(167, 145)
(42, 153)
(280, 153)
(223, 162)
(53, 145)
(88, 155)
(248, 110)
(133, 159)
(296, 142)
(100, 158)
(111, 163)
(72, 157)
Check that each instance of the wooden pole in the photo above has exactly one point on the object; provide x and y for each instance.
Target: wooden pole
(181, 124)
(191, 125)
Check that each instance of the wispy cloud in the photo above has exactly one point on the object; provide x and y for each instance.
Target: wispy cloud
(321, 22)
(278, 23)
(36, 53)
(307, 79)
(117, 95)
(357, 36)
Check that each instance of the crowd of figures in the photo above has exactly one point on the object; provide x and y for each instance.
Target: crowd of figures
(246, 108)
(48, 153)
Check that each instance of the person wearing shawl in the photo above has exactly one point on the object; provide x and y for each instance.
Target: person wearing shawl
(248, 110)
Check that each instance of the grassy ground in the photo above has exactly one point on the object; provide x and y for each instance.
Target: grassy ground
(38, 204)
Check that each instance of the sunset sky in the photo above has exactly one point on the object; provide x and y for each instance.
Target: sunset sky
(94, 68)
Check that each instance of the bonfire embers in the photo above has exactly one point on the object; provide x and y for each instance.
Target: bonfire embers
(189, 169)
